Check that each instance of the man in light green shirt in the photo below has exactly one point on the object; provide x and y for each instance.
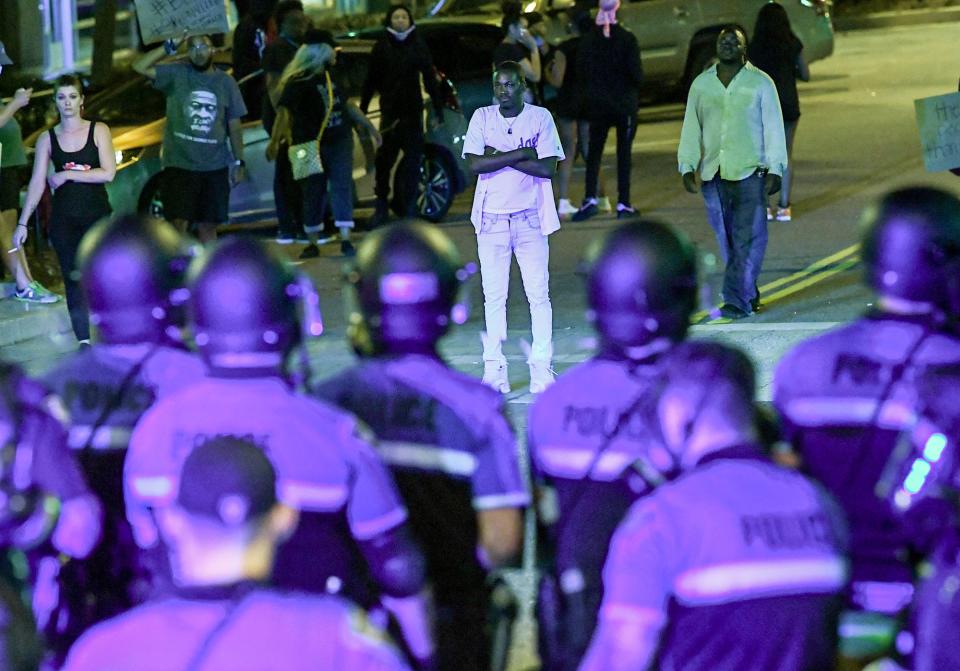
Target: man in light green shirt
(733, 134)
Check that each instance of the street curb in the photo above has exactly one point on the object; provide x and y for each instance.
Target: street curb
(23, 321)
(909, 17)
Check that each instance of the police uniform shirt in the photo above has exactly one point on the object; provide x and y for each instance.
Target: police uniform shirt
(89, 383)
(324, 469)
(828, 390)
(737, 562)
(568, 427)
(264, 631)
(452, 452)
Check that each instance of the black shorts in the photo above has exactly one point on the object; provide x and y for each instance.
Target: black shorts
(10, 188)
(197, 197)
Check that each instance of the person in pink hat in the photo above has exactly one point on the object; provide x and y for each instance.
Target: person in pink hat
(608, 64)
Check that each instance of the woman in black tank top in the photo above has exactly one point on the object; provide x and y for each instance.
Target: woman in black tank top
(81, 153)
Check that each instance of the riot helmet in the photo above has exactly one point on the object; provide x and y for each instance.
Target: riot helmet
(911, 247)
(247, 307)
(133, 271)
(405, 281)
(641, 285)
(705, 404)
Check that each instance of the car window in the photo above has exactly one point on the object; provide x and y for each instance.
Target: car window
(476, 51)
(129, 104)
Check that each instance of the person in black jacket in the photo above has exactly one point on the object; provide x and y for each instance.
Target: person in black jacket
(249, 42)
(398, 60)
(608, 64)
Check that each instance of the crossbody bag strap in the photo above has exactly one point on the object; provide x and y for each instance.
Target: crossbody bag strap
(329, 111)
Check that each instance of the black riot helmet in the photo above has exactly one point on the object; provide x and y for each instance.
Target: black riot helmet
(247, 307)
(406, 280)
(911, 247)
(133, 271)
(641, 285)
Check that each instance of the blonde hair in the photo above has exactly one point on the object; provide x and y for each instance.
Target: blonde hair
(310, 58)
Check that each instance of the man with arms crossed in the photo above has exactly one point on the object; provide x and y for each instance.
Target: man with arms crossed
(513, 148)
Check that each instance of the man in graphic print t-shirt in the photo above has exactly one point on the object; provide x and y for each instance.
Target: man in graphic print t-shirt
(513, 148)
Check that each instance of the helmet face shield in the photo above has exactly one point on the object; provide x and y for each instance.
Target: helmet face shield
(406, 289)
(641, 285)
(133, 272)
(248, 308)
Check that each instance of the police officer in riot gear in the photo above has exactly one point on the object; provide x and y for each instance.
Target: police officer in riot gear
(852, 400)
(249, 313)
(587, 430)
(45, 508)
(133, 272)
(443, 434)
(222, 532)
(732, 562)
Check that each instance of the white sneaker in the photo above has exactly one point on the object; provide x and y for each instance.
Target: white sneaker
(565, 208)
(541, 376)
(603, 204)
(495, 376)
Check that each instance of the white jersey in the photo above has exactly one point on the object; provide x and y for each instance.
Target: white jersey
(508, 189)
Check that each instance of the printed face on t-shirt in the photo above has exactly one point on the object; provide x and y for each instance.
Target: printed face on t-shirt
(201, 111)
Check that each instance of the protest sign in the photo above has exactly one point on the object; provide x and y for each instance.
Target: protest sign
(162, 19)
(938, 120)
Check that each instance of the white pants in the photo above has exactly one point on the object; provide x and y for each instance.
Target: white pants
(501, 236)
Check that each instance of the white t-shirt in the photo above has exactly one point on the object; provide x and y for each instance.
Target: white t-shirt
(510, 190)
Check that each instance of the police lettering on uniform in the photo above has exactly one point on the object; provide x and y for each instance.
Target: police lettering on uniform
(222, 532)
(864, 405)
(353, 538)
(588, 430)
(443, 434)
(133, 272)
(733, 562)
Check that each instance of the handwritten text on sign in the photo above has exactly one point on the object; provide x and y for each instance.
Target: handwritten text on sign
(160, 19)
(938, 119)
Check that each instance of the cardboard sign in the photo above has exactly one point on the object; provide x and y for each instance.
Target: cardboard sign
(938, 120)
(162, 19)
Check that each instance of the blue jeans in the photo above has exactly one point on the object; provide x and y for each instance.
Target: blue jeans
(336, 181)
(737, 212)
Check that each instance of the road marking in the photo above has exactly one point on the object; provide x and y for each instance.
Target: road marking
(818, 271)
(761, 327)
(849, 264)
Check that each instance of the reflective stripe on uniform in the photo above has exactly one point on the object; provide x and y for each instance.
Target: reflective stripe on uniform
(819, 411)
(155, 487)
(738, 581)
(509, 500)
(372, 528)
(105, 438)
(564, 462)
(428, 458)
(308, 495)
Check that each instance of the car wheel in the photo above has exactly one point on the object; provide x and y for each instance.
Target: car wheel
(151, 200)
(436, 187)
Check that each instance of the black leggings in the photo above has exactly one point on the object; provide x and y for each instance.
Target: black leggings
(405, 134)
(626, 126)
(66, 232)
